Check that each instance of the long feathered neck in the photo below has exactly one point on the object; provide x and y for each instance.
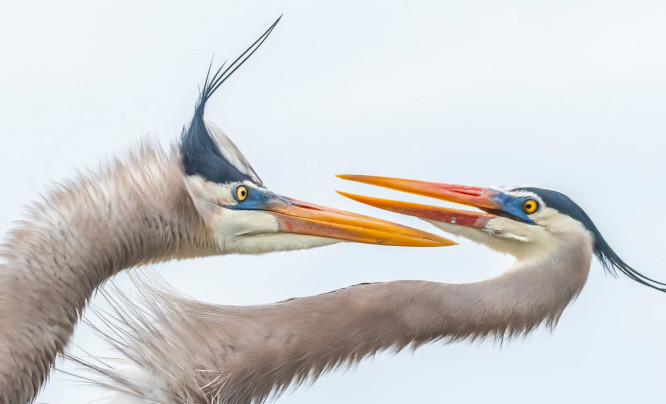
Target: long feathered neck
(81, 234)
(186, 351)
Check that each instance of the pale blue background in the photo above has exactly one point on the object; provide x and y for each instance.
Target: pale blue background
(568, 95)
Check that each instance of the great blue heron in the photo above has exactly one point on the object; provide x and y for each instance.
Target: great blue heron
(529, 223)
(242, 354)
(202, 198)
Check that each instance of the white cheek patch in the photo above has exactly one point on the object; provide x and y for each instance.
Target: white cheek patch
(510, 236)
(200, 189)
(506, 228)
(256, 232)
(243, 231)
(546, 216)
(478, 236)
(494, 236)
(230, 225)
(265, 243)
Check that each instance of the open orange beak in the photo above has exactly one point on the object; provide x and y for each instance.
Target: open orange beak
(478, 197)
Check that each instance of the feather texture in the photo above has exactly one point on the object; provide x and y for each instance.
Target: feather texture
(185, 351)
(134, 211)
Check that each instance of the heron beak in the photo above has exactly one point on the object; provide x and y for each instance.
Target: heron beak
(478, 197)
(299, 217)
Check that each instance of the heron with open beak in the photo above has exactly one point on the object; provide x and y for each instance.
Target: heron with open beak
(542, 228)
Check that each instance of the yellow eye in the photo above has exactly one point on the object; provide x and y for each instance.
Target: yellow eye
(241, 193)
(530, 206)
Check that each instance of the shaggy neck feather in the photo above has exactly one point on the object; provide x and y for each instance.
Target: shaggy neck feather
(242, 354)
(80, 235)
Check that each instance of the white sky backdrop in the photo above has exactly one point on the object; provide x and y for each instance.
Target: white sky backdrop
(568, 95)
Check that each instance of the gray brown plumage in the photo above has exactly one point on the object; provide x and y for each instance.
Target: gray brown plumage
(133, 212)
(178, 350)
(200, 198)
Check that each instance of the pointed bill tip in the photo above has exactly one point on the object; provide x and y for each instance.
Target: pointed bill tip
(355, 177)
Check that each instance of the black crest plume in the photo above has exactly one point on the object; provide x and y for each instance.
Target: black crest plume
(199, 152)
(608, 258)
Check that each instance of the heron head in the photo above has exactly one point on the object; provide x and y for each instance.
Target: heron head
(522, 221)
(246, 217)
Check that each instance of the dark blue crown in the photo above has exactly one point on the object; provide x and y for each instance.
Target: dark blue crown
(199, 152)
(608, 258)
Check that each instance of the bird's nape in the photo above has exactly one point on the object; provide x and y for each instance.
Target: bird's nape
(608, 258)
(517, 206)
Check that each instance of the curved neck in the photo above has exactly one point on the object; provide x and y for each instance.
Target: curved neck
(80, 235)
(254, 351)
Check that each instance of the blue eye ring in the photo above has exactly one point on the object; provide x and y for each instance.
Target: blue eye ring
(241, 193)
